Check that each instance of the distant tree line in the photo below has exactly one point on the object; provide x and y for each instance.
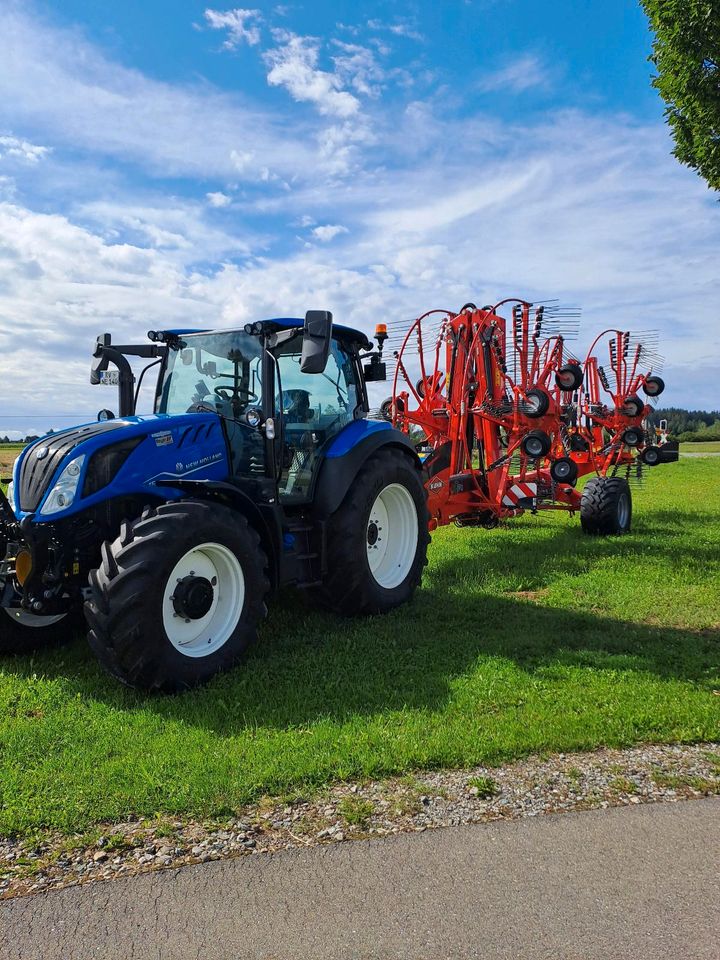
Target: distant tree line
(688, 425)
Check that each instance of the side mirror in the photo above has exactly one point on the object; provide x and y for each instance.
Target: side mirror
(104, 415)
(375, 371)
(316, 341)
(100, 360)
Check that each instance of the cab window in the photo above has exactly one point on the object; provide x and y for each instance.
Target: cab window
(314, 408)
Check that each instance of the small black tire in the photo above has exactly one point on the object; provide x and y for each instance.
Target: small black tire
(564, 470)
(537, 403)
(632, 407)
(350, 586)
(606, 506)
(651, 456)
(386, 409)
(536, 444)
(21, 632)
(569, 377)
(653, 386)
(633, 437)
(137, 619)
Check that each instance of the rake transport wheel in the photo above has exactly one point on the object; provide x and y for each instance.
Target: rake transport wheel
(22, 632)
(606, 506)
(377, 538)
(178, 596)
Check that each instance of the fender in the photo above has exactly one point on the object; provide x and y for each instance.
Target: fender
(265, 518)
(338, 471)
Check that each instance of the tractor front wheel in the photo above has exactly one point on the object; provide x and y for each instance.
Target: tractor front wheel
(178, 596)
(378, 538)
(606, 506)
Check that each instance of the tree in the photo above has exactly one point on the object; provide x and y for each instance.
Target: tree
(686, 53)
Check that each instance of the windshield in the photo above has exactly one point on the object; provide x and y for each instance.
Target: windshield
(213, 371)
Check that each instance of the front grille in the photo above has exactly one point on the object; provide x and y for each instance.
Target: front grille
(36, 474)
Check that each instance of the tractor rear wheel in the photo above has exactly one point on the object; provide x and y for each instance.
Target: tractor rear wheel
(23, 632)
(178, 596)
(606, 506)
(378, 538)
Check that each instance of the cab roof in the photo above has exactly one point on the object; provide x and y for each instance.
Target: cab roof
(286, 323)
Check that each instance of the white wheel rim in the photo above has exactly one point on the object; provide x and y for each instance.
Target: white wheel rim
(392, 536)
(26, 619)
(205, 635)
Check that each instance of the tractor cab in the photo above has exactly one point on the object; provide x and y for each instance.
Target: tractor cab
(283, 390)
(278, 417)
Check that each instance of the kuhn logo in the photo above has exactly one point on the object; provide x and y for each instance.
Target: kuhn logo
(436, 485)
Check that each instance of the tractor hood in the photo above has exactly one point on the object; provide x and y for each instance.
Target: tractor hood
(67, 472)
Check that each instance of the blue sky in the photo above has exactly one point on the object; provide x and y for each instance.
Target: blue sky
(178, 163)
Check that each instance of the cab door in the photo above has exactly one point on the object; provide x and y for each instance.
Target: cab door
(313, 409)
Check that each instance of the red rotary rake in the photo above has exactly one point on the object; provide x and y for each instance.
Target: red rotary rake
(508, 419)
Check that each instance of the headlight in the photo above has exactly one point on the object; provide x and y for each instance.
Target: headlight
(63, 493)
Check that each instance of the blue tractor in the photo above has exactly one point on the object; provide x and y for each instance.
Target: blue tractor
(167, 532)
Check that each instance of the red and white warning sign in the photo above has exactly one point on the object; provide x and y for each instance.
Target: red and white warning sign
(519, 491)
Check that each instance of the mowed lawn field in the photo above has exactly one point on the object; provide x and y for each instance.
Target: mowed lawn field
(701, 446)
(527, 638)
(8, 453)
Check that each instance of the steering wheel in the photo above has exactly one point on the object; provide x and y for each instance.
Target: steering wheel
(233, 394)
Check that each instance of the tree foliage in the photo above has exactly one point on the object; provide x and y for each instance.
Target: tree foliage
(686, 53)
(689, 424)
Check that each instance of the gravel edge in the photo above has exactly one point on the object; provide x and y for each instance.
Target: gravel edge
(419, 801)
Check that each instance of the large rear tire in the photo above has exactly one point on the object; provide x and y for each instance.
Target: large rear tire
(178, 596)
(378, 538)
(22, 632)
(606, 506)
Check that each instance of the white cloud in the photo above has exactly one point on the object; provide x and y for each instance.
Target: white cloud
(401, 28)
(455, 205)
(328, 232)
(54, 80)
(357, 66)
(22, 150)
(239, 25)
(523, 73)
(218, 199)
(294, 65)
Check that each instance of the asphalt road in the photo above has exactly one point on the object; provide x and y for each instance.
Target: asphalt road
(635, 882)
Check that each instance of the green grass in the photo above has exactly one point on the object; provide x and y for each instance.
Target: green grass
(485, 786)
(355, 810)
(702, 446)
(527, 638)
